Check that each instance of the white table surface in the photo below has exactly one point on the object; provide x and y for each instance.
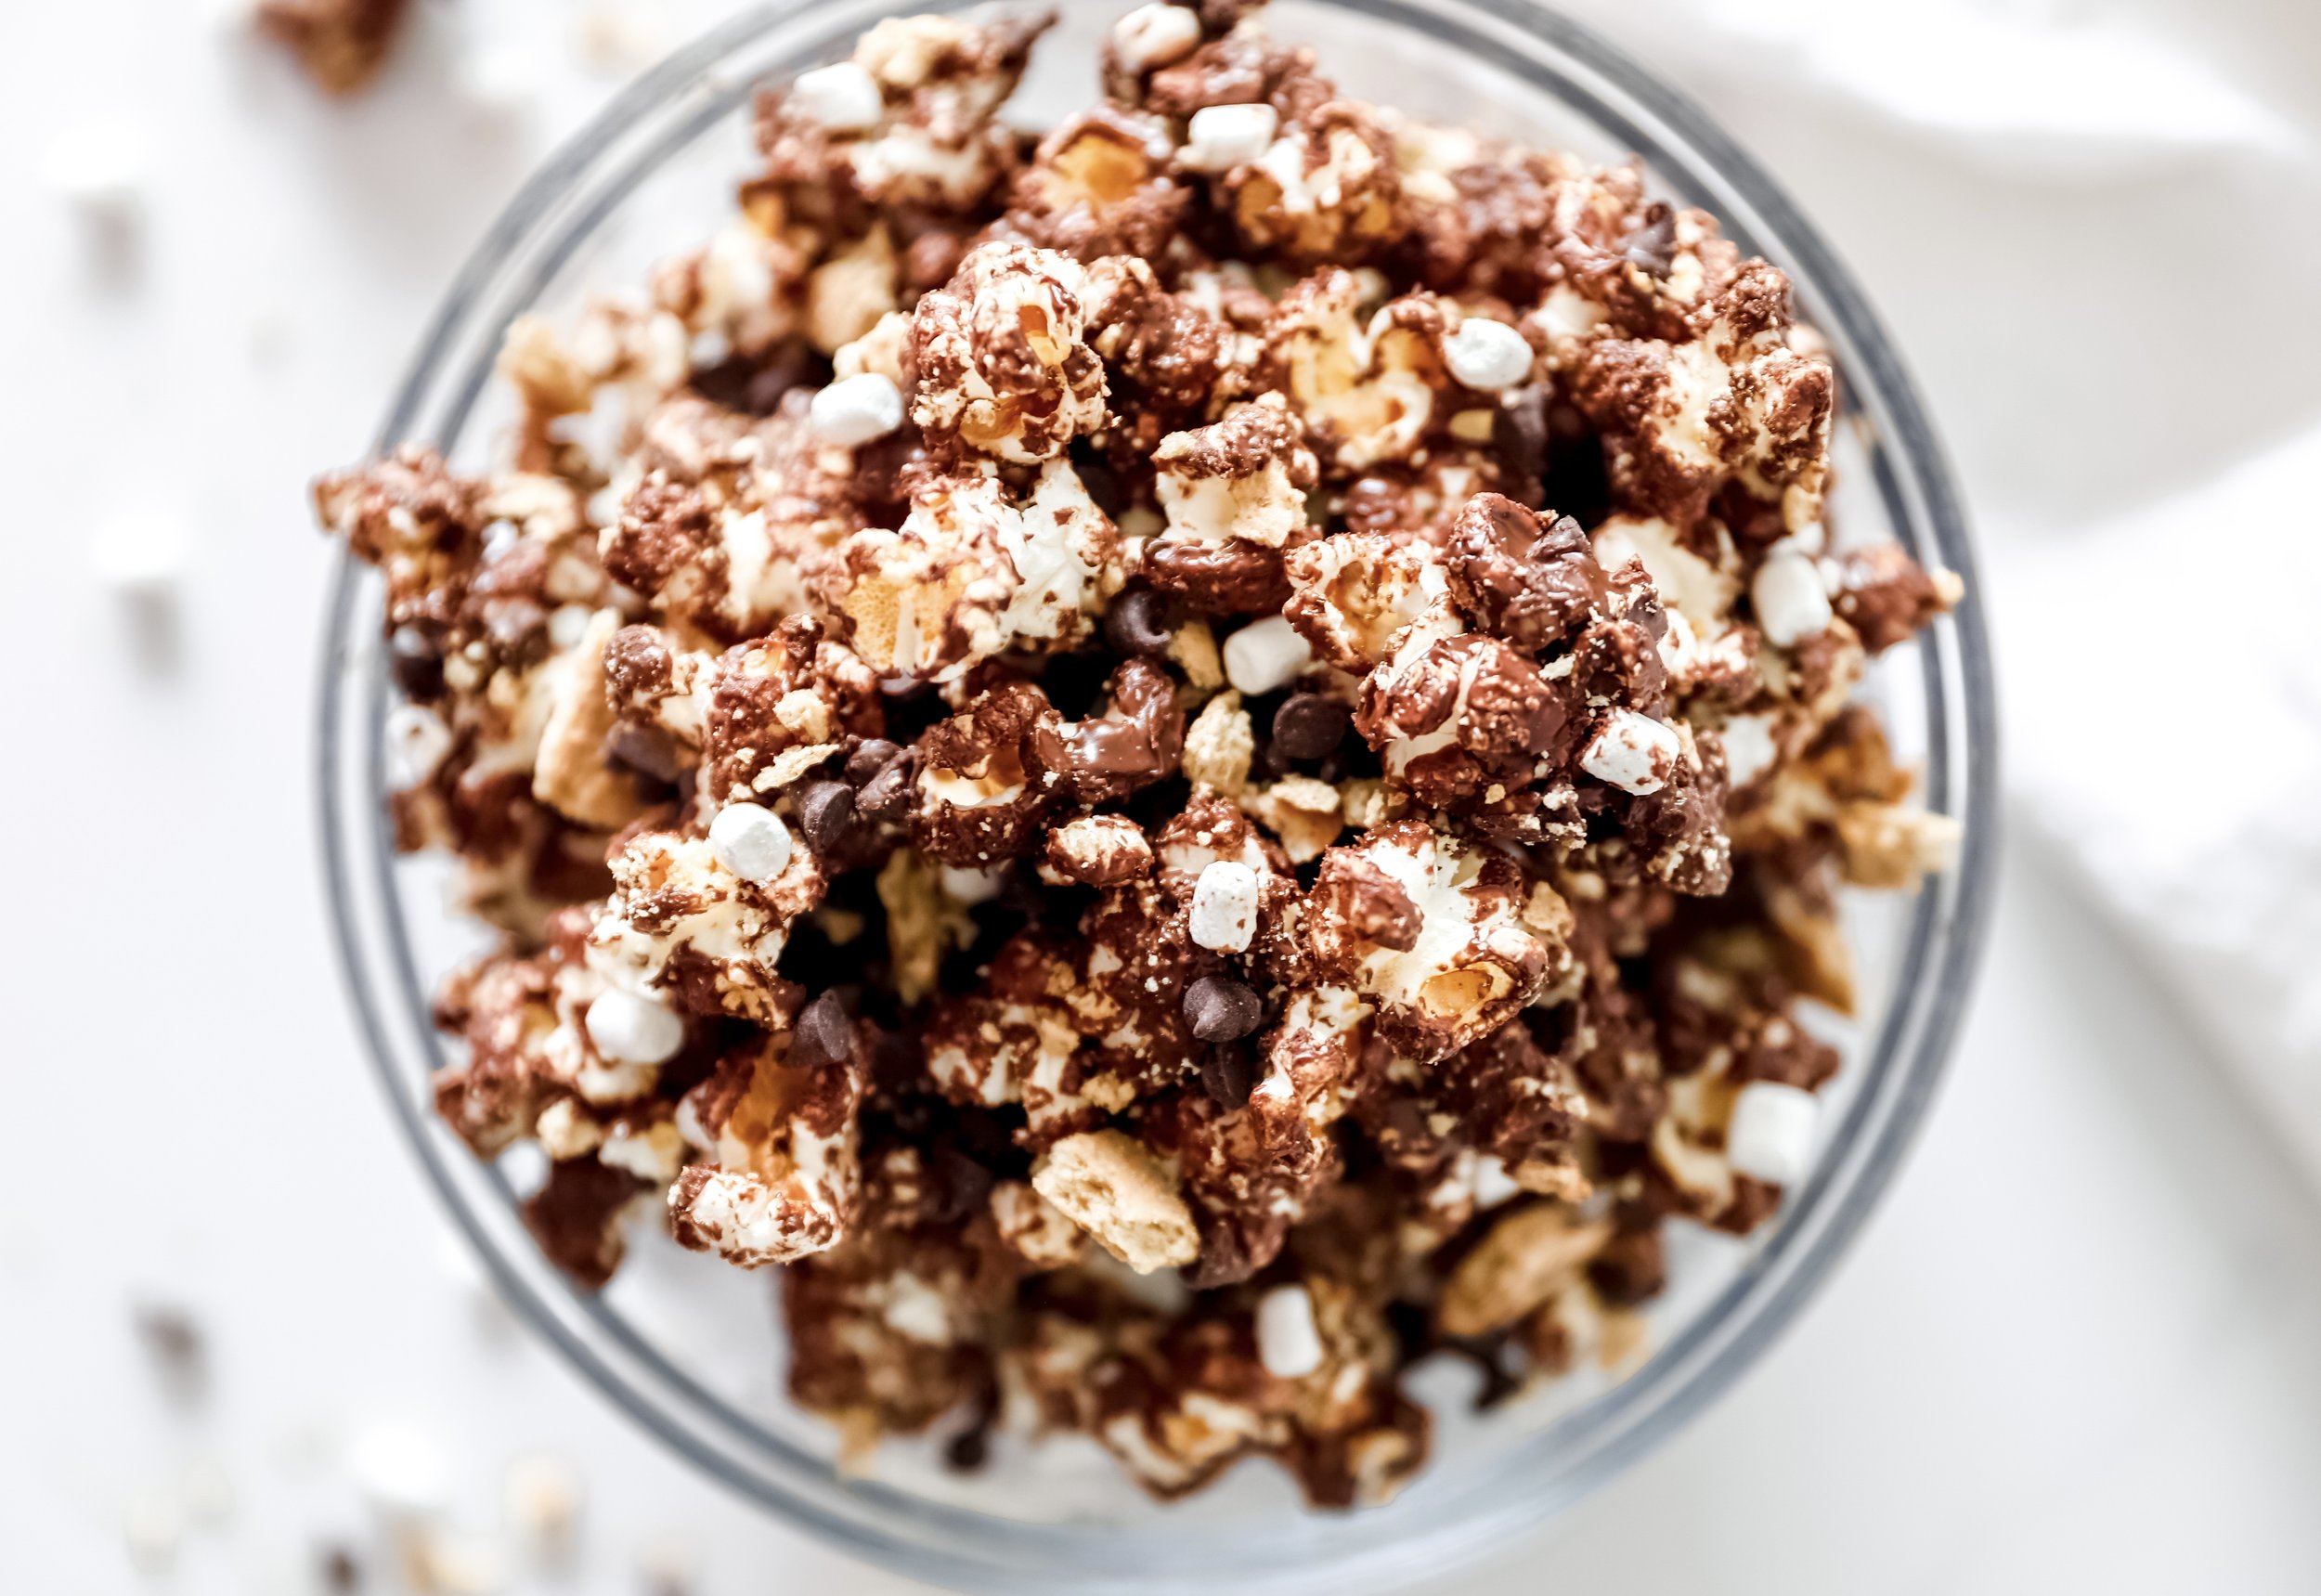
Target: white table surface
(2072, 1352)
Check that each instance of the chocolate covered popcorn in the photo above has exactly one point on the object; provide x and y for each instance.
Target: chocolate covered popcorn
(1170, 764)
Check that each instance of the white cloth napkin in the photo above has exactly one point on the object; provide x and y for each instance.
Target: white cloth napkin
(2095, 230)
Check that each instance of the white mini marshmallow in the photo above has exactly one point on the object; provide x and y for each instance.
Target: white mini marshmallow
(417, 742)
(971, 885)
(1493, 1184)
(751, 842)
(1222, 137)
(1771, 1137)
(1225, 906)
(100, 167)
(857, 410)
(139, 552)
(1288, 1344)
(1633, 752)
(1266, 654)
(1486, 355)
(1749, 748)
(503, 77)
(399, 1469)
(567, 624)
(1154, 35)
(844, 98)
(628, 1028)
(1792, 603)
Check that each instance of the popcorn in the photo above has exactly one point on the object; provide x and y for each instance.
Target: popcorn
(1417, 952)
(1633, 752)
(858, 409)
(1264, 656)
(1003, 362)
(1770, 1135)
(1225, 907)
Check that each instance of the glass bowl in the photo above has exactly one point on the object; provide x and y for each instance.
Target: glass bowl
(689, 1347)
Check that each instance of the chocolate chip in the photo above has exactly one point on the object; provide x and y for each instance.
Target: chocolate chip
(822, 1035)
(870, 759)
(825, 813)
(961, 1185)
(1308, 725)
(1654, 244)
(1137, 623)
(1222, 1009)
(341, 1575)
(647, 750)
(1229, 1074)
(416, 661)
(887, 796)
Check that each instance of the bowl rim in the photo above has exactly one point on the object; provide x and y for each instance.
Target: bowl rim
(663, 111)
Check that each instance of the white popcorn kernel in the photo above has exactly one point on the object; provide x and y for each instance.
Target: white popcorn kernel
(139, 552)
(1222, 137)
(1225, 906)
(971, 885)
(100, 167)
(1771, 1137)
(857, 410)
(1486, 355)
(630, 1028)
(1155, 35)
(417, 742)
(751, 842)
(1287, 1343)
(1266, 654)
(1749, 748)
(1792, 601)
(844, 98)
(1633, 752)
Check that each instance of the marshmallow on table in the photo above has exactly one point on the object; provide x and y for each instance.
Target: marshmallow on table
(1770, 1135)
(139, 552)
(100, 167)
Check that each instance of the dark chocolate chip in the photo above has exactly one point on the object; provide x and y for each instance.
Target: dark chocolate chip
(1221, 1009)
(870, 759)
(822, 1035)
(961, 1185)
(416, 660)
(825, 813)
(1309, 725)
(1654, 244)
(1137, 623)
(647, 750)
(1229, 1074)
(887, 796)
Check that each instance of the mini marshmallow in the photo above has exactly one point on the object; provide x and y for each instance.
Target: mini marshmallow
(1225, 907)
(971, 885)
(1633, 752)
(503, 77)
(417, 742)
(1749, 748)
(628, 1028)
(1486, 355)
(399, 1469)
(857, 410)
(1155, 35)
(751, 842)
(1222, 137)
(99, 166)
(567, 624)
(1792, 603)
(1770, 1135)
(1493, 1184)
(139, 552)
(1287, 1343)
(1266, 654)
(843, 98)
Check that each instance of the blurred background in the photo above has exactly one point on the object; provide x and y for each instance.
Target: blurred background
(2072, 1351)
